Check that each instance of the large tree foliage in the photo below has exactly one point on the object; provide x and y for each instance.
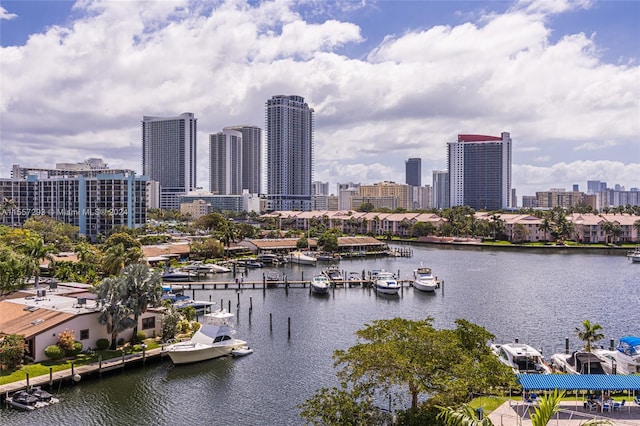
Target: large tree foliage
(114, 313)
(410, 360)
(14, 268)
(143, 289)
(33, 246)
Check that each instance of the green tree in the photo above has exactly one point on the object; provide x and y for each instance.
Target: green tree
(422, 229)
(35, 248)
(328, 241)
(589, 334)
(143, 288)
(400, 357)
(14, 267)
(114, 313)
(366, 207)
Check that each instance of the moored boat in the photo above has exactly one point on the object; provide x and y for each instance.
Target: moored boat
(385, 283)
(634, 255)
(334, 274)
(624, 359)
(424, 280)
(320, 284)
(522, 358)
(242, 351)
(214, 339)
(173, 275)
(578, 362)
(302, 258)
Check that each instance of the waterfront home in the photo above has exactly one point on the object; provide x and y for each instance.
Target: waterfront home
(40, 315)
(285, 245)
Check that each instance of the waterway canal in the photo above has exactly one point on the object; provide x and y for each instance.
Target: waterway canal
(538, 296)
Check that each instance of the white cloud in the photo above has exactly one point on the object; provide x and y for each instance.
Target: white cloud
(595, 146)
(81, 90)
(6, 15)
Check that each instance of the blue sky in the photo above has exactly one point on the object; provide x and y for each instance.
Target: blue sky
(389, 80)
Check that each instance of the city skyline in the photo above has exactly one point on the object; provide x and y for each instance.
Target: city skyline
(387, 80)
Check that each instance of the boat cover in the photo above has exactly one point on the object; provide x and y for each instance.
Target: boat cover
(590, 382)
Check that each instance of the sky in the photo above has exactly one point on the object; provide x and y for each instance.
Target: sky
(388, 81)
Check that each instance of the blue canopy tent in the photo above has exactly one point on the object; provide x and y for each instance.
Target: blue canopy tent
(580, 382)
(587, 382)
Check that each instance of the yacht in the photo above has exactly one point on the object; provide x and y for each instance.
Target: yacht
(424, 280)
(578, 362)
(302, 258)
(523, 359)
(334, 274)
(634, 255)
(320, 284)
(624, 359)
(173, 275)
(386, 283)
(214, 339)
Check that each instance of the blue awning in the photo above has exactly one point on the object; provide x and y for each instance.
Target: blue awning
(590, 382)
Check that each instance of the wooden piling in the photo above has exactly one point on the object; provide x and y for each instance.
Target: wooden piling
(50, 377)
(238, 305)
(289, 327)
(229, 305)
(270, 322)
(250, 303)
(27, 373)
(566, 345)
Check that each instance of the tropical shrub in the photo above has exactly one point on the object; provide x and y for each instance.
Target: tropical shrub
(121, 341)
(66, 341)
(77, 348)
(54, 352)
(102, 344)
(12, 349)
(140, 336)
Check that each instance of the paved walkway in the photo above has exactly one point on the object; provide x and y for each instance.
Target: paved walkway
(516, 413)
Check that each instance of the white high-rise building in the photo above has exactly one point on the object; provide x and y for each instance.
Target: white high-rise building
(169, 155)
(480, 172)
(225, 162)
(289, 126)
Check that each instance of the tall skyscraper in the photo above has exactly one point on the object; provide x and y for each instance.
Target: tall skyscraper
(169, 155)
(289, 125)
(480, 171)
(225, 162)
(413, 171)
(251, 157)
(440, 189)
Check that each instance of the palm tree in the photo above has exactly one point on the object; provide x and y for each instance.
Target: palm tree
(543, 414)
(589, 334)
(143, 289)
(35, 248)
(114, 313)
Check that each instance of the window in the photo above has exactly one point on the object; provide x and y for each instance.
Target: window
(149, 322)
(84, 334)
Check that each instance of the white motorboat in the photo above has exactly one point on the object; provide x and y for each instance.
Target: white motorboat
(334, 274)
(625, 359)
(214, 339)
(302, 258)
(320, 284)
(634, 255)
(424, 280)
(386, 283)
(578, 362)
(173, 275)
(242, 351)
(523, 359)
(31, 399)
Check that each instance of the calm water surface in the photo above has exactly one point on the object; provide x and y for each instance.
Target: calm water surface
(536, 296)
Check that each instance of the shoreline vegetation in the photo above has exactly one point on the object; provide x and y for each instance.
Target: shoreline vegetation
(478, 242)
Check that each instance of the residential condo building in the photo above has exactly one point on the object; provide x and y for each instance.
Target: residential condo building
(290, 127)
(169, 155)
(480, 171)
(413, 171)
(225, 162)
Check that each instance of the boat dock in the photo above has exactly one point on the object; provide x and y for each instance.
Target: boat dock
(75, 374)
